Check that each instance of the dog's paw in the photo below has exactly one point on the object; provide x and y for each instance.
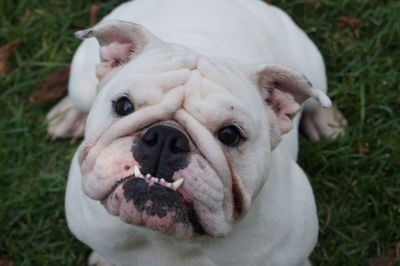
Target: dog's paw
(95, 259)
(323, 123)
(65, 121)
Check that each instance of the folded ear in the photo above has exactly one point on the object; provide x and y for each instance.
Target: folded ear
(284, 91)
(120, 41)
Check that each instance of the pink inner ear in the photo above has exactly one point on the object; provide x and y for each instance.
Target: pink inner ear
(285, 108)
(116, 53)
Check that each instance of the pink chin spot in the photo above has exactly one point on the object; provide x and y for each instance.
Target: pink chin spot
(165, 224)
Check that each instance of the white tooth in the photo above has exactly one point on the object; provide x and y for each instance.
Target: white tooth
(169, 185)
(148, 176)
(162, 180)
(177, 184)
(137, 172)
(153, 179)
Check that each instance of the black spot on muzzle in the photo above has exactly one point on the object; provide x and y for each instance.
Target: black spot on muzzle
(158, 200)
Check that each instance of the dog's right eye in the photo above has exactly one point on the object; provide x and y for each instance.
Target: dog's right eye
(229, 135)
(123, 106)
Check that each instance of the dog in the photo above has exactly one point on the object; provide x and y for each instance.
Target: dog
(190, 118)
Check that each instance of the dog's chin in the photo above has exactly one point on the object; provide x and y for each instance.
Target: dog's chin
(155, 205)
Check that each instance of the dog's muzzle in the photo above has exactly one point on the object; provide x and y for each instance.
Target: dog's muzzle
(154, 196)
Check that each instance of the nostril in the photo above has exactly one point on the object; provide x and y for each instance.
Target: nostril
(160, 137)
(179, 145)
(150, 138)
(161, 151)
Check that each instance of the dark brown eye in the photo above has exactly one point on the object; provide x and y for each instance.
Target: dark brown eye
(229, 135)
(123, 106)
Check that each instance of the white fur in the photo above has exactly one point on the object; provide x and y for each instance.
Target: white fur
(281, 226)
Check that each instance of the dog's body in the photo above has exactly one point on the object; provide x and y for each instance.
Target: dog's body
(280, 226)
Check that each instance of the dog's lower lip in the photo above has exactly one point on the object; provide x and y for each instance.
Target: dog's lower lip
(198, 229)
(122, 180)
(173, 186)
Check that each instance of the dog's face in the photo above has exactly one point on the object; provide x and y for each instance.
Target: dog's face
(177, 142)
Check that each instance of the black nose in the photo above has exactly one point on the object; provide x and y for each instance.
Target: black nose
(168, 138)
(162, 151)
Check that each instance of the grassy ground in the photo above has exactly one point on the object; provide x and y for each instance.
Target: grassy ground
(358, 193)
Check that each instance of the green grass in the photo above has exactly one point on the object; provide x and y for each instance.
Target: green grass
(358, 195)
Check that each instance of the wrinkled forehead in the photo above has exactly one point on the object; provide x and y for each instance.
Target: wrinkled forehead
(211, 91)
(220, 94)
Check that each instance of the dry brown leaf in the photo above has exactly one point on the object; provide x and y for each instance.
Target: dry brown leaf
(345, 21)
(52, 87)
(5, 52)
(362, 148)
(6, 262)
(387, 259)
(94, 11)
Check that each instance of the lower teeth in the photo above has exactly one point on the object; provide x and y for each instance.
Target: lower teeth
(174, 185)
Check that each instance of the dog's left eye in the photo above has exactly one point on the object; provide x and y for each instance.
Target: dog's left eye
(123, 106)
(229, 135)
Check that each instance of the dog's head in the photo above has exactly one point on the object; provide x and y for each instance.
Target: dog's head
(178, 142)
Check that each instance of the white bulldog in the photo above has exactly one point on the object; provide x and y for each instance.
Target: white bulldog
(184, 159)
